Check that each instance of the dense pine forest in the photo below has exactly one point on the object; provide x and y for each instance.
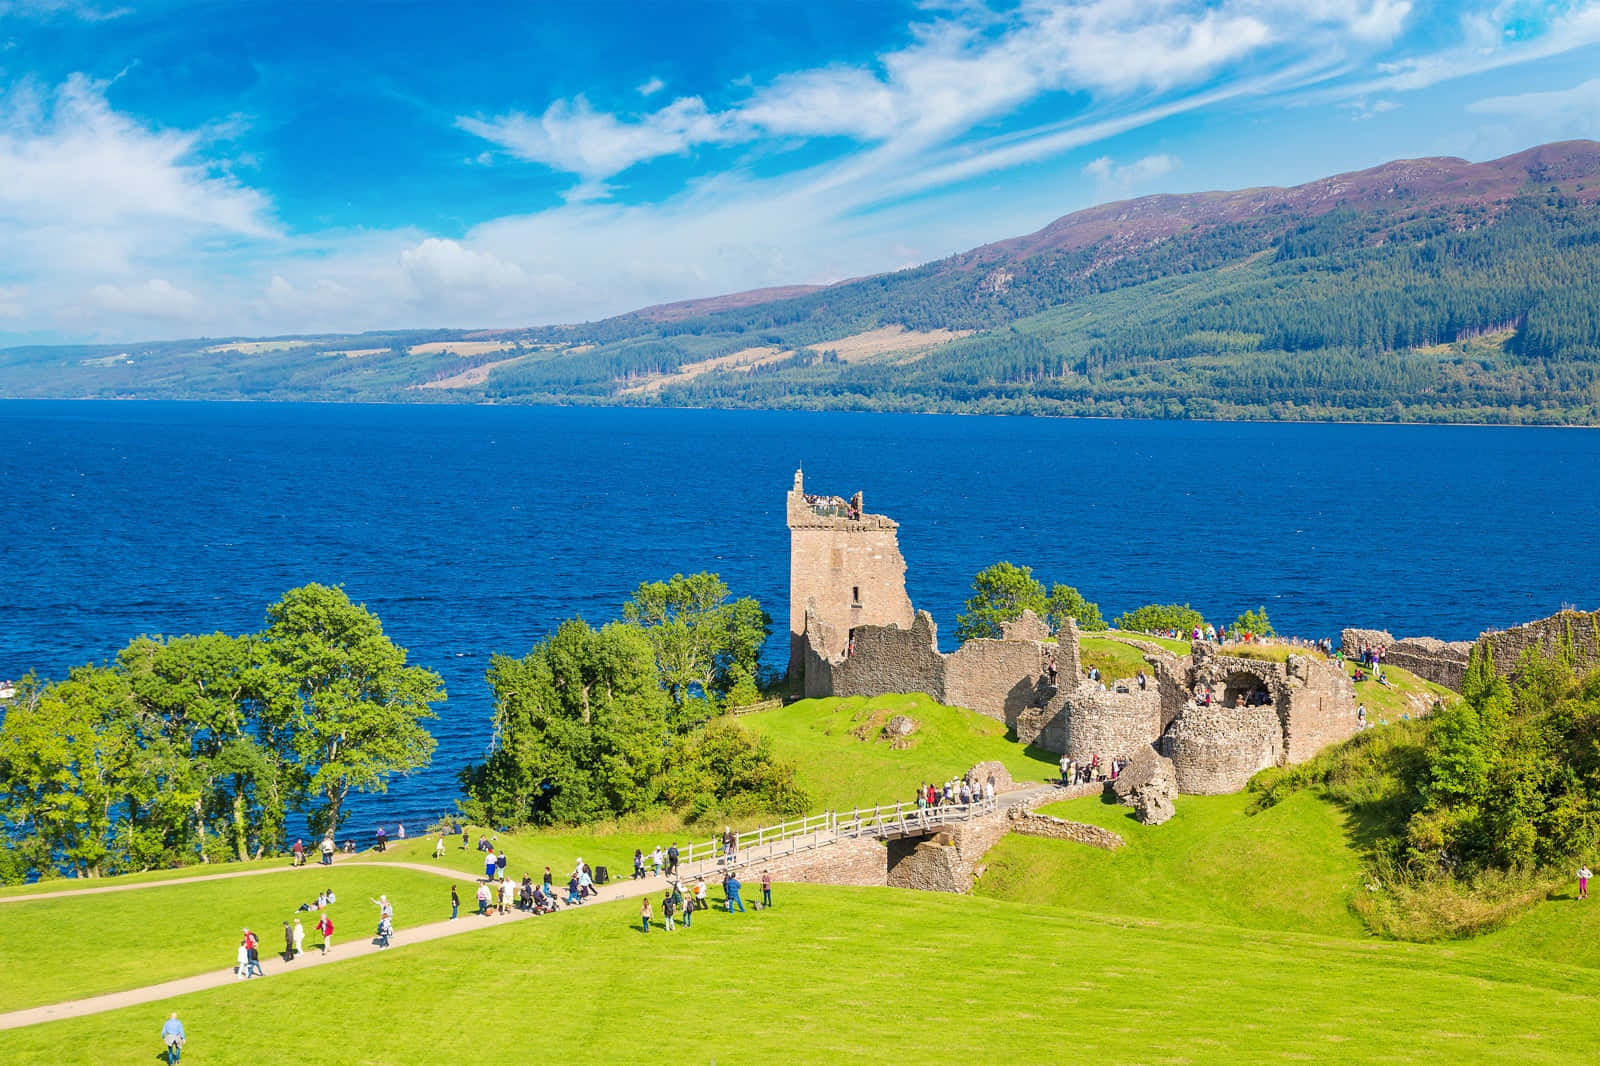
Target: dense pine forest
(1431, 290)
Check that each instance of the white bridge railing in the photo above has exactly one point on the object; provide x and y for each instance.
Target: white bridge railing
(819, 830)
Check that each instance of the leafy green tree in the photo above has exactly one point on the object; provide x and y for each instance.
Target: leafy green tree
(352, 709)
(723, 771)
(1066, 602)
(1255, 621)
(703, 643)
(1000, 593)
(1160, 617)
(581, 730)
(67, 758)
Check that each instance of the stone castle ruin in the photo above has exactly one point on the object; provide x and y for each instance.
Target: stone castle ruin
(1219, 718)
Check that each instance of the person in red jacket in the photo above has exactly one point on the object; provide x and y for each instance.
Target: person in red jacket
(325, 927)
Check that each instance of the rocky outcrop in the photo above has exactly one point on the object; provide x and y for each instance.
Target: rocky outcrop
(1148, 784)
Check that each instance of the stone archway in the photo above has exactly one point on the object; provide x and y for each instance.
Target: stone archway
(1245, 688)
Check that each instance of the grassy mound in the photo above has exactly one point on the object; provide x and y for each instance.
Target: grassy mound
(55, 949)
(1291, 868)
(843, 762)
(813, 980)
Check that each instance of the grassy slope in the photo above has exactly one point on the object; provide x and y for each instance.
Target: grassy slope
(1290, 868)
(182, 873)
(836, 975)
(841, 771)
(156, 934)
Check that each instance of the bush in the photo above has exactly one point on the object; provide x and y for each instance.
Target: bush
(1160, 617)
(1255, 622)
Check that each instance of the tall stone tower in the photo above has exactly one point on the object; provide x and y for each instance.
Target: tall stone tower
(845, 565)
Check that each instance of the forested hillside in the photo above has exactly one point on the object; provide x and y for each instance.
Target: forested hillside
(1419, 290)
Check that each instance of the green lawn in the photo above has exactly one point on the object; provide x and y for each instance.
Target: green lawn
(56, 949)
(841, 770)
(1292, 867)
(840, 975)
(1115, 659)
(1176, 647)
(68, 884)
(1406, 693)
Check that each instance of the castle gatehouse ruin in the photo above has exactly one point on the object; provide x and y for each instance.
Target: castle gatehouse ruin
(1219, 718)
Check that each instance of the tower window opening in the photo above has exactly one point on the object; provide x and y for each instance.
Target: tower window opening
(855, 595)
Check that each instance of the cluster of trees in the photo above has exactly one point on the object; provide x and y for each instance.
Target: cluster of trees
(627, 718)
(1000, 593)
(1160, 617)
(203, 746)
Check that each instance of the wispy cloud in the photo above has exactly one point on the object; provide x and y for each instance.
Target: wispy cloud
(1113, 177)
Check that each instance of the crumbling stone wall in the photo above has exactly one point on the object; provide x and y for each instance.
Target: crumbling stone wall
(890, 659)
(1216, 750)
(1029, 824)
(1573, 635)
(1442, 662)
(1110, 723)
(999, 678)
(1319, 706)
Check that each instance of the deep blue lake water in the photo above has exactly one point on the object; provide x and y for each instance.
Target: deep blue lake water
(472, 530)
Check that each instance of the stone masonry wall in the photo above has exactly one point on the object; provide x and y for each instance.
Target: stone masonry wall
(1442, 662)
(1108, 724)
(888, 659)
(1574, 633)
(1216, 750)
(1029, 824)
(1320, 708)
(998, 678)
(864, 861)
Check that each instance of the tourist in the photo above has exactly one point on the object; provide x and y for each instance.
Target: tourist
(1583, 882)
(644, 913)
(549, 883)
(242, 961)
(488, 866)
(505, 895)
(299, 938)
(666, 910)
(573, 897)
(466, 838)
(1052, 669)
(500, 864)
(253, 954)
(922, 798)
(730, 892)
(988, 790)
(455, 904)
(483, 899)
(1142, 680)
(638, 863)
(688, 904)
(1361, 716)
(525, 893)
(173, 1036)
(400, 831)
(586, 881)
(383, 840)
(327, 850)
(288, 943)
(700, 894)
(672, 860)
(656, 860)
(730, 843)
(385, 908)
(299, 852)
(1066, 770)
(438, 849)
(766, 888)
(385, 931)
(325, 927)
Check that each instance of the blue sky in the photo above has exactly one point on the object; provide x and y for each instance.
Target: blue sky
(171, 170)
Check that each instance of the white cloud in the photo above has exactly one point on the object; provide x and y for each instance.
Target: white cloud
(436, 265)
(1577, 105)
(11, 304)
(156, 298)
(1111, 175)
(650, 87)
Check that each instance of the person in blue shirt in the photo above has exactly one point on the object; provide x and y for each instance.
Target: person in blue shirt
(173, 1036)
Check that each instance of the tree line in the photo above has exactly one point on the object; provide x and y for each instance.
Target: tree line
(201, 747)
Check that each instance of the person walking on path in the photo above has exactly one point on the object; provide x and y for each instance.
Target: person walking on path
(483, 899)
(385, 908)
(327, 850)
(438, 849)
(766, 889)
(299, 852)
(655, 860)
(500, 864)
(325, 927)
(385, 931)
(455, 902)
(1583, 882)
(288, 943)
(174, 1037)
(383, 840)
(638, 863)
(700, 894)
(299, 938)
(505, 895)
(672, 860)
(242, 961)
(644, 914)
(688, 905)
(253, 948)
(488, 866)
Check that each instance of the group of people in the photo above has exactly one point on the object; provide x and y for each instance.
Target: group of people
(955, 790)
(248, 956)
(679, 906)
(659, 861)
(1074, 772)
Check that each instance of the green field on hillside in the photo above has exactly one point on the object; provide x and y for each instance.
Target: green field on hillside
(842, 762)
(1292, 867)
(55, 949)
(836, 975)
